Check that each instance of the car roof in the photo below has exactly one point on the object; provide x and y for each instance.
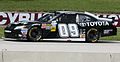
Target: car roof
(75, 12)
(69, 12)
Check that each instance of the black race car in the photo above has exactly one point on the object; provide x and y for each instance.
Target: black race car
(63, 26)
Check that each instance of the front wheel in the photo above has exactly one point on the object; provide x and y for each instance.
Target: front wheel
(92, 35)
(34, 34)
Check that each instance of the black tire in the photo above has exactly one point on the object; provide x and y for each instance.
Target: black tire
(34, 34)
(92, 35)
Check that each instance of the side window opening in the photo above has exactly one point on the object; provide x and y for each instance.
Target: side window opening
(45, 18)
(83, 18)
(68, 18)
(57, 19)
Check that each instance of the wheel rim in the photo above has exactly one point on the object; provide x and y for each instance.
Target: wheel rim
(35, 34)
(92, 35)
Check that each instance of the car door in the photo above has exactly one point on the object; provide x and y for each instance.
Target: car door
(67, 27)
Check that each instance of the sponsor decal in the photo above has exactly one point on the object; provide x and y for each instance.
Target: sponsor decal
(24, 32)
(53, 29)
(48, 26)
(108, 31)
(82, 35)
(53, 26)
(43, 26)
(103, 23)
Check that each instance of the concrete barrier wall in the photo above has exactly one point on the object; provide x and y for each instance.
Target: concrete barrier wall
(22, 56)
(96, 57)
(26, 56)
(1, 56)
(115, 57)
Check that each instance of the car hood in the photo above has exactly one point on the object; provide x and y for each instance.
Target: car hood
(24, 22)
(20, 23)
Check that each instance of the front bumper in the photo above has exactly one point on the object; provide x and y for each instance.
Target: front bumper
(14, 39)
(14, 34)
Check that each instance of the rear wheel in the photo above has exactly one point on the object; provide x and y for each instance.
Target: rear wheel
(34, 34)
(92, 35)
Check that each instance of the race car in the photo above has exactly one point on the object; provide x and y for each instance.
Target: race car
(63, 26)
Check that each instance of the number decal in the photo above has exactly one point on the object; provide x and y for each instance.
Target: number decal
(70, 30)
(63, 30)
(73, 29)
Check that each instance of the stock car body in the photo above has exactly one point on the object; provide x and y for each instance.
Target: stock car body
(63, 26)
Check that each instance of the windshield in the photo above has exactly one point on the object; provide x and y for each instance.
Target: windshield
(55, 18)
(45, 18)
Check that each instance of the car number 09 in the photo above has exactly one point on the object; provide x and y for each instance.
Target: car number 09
(70, 30)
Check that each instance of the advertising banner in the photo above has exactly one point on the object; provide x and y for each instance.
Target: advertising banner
(10, 17)
(115, 16)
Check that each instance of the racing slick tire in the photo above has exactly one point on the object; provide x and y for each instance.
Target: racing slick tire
(34, 34)
(92, 35)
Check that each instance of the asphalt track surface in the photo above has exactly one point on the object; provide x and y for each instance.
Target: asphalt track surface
(101, 47)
